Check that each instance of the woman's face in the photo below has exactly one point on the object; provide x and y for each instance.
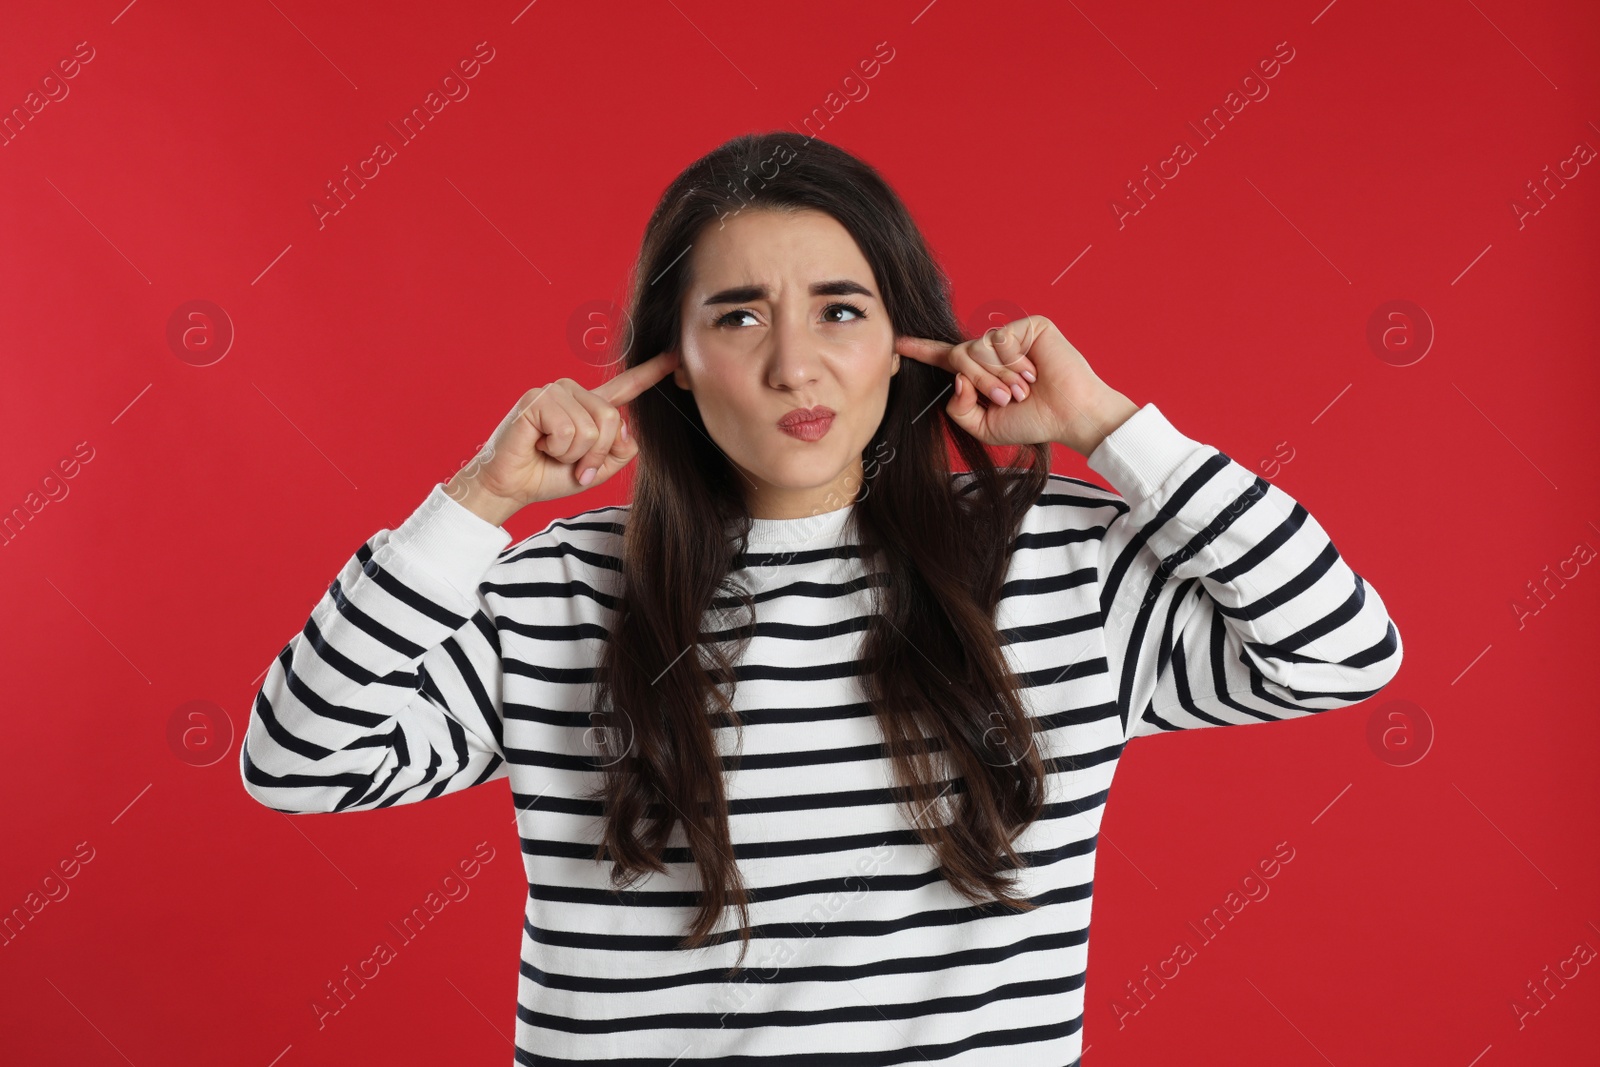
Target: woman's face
(760, 341)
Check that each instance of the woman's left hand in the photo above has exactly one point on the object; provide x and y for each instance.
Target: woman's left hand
(1066, 403)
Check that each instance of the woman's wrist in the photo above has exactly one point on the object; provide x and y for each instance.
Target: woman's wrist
(1100, 420)
(482, 503)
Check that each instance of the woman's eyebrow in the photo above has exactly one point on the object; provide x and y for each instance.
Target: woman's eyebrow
(744, 294)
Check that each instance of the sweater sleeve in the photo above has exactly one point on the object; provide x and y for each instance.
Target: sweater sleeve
(391, 692)
(1223, 600)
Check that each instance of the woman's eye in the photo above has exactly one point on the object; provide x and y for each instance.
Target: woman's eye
(860, 314)
(723, 321)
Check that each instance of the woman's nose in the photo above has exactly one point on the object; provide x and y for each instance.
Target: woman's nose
(793, 360)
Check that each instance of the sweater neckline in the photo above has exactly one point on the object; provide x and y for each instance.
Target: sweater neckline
(822, 528)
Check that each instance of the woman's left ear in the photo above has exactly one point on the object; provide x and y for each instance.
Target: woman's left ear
(896, 368)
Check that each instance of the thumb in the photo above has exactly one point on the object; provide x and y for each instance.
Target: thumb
(964, 407)
(623, 449)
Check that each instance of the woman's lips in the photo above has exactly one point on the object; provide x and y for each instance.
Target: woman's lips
(808, 424)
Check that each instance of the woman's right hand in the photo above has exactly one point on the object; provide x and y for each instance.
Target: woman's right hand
(543, 447)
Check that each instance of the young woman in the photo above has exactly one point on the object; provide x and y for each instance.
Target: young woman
(810, 742)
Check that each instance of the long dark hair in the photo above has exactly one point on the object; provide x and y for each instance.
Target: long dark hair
(941, 555)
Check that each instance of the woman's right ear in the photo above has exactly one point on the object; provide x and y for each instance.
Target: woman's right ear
(680, 376)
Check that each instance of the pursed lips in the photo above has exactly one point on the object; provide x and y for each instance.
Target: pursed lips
(811, 414)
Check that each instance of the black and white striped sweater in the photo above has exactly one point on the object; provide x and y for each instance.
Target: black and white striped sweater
(442, 657)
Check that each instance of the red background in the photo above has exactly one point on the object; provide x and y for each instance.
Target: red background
(374, 354)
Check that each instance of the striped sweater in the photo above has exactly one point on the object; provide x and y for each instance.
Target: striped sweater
(442, 657)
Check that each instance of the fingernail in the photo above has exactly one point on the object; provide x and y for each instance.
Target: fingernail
(586, 477)
(1028, 374)
(1000, 395)
(1018, 391)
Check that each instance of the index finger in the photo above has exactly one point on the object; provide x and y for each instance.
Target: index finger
(925, 350)
(635, 380)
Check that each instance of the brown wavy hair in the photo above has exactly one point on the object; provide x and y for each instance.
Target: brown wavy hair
(940, 552)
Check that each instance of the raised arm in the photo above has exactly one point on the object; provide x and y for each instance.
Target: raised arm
(1225, 602)
(391, 692)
